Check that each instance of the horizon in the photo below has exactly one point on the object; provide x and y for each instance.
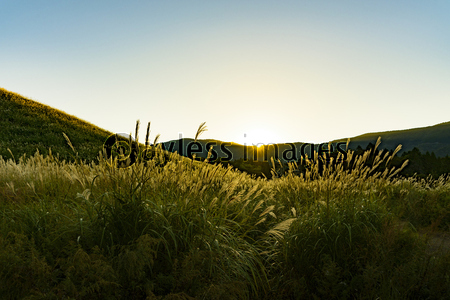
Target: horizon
(255, 72)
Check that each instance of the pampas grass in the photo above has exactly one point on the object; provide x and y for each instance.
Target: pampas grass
(171, 227)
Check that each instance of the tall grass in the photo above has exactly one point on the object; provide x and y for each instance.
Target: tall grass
(174, 228)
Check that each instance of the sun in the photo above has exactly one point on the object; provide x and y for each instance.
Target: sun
(259, 137)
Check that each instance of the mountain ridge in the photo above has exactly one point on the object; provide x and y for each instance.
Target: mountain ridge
(434, 138)
(27, 125)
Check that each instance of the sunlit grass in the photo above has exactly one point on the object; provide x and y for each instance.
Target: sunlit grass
(170, 227)
(27, 125)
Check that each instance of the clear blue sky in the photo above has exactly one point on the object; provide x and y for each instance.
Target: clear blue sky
(277, 71)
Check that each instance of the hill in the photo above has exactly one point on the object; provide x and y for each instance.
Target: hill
(427, 139)
(27, 126)
(434, 138)
(417, 145)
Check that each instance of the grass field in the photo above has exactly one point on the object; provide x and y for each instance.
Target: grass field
(174, 228)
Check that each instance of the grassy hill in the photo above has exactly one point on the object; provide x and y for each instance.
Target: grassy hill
(257, 160)
(187, 230)
(27, 126)
(432, 139)
(180, 229)
(427, 139)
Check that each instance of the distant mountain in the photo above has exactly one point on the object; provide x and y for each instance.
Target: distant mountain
(228, 151)
(434, 138)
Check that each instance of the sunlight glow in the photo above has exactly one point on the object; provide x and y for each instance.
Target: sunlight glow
(258, 137)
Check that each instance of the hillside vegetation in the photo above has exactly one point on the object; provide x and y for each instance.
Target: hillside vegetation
(430, 139)
(27, 126)
(169, 227)
(173, 228)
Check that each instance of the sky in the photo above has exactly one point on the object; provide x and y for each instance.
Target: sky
(254, 71)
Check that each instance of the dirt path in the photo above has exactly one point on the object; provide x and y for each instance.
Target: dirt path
(438, 242)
